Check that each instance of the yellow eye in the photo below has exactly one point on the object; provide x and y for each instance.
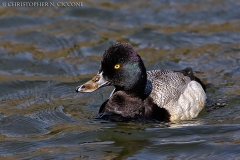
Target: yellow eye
(117, 66)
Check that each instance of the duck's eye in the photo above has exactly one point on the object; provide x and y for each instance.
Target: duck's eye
(117, 66)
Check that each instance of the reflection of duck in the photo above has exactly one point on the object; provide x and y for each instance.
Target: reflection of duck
(163, 95)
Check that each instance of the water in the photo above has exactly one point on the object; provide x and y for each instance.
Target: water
(45, 52)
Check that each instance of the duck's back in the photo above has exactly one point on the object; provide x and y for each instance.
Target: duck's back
(177, 92)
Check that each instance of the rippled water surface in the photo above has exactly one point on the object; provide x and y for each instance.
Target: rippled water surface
(45, 52)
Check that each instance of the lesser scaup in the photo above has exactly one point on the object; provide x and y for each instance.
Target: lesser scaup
(164, 95)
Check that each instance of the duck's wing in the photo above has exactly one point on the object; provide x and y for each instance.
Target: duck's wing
(176, 92)
(167, 85)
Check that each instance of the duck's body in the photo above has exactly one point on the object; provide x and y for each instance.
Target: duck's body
(163, 95)
(180, 95)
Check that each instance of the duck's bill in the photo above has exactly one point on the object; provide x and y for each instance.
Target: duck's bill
(92, 85)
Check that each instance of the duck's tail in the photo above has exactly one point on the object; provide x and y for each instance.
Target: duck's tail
(189, 72)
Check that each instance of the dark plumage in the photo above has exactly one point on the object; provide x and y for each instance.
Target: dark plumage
(158, 94)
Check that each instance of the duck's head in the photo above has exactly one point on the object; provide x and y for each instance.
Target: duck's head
(121, 67)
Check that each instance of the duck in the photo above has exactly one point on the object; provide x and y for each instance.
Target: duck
(162, 95)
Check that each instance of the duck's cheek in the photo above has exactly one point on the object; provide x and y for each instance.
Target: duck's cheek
(95, 83)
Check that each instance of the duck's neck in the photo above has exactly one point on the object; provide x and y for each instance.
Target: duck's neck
(137, 83)
(139, 88)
